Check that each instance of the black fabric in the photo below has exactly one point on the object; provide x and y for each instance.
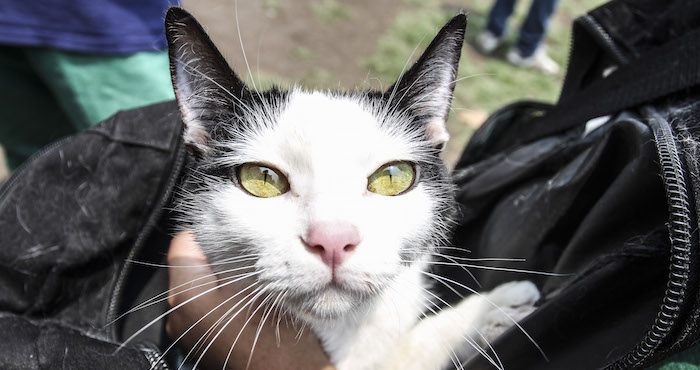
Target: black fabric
(44, 344)
(69, 219)
(655, 46)
(613, 209)
(592, 208)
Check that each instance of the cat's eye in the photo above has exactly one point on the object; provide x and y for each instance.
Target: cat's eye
(262, 181)
(392, 178)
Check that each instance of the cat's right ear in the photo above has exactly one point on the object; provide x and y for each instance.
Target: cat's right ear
(204, 83)
(426, 88)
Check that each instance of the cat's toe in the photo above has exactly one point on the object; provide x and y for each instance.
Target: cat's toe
(515, 294)
(509, 303)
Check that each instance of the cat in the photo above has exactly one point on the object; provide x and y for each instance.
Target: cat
(336, 201)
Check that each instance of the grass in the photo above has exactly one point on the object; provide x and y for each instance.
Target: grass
(331, 11)
(488, 82)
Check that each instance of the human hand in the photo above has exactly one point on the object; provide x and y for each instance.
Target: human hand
(190, 276)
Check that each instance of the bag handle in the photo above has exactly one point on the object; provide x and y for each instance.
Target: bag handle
(672, 67)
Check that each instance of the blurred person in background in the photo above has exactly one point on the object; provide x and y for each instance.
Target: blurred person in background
(66, 65)
(529, 50)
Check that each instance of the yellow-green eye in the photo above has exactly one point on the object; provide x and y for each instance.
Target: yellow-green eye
(262, 181)
(392, 178)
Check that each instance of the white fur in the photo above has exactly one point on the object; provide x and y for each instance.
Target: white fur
(368, 313)
(327, 147)
(315, 145)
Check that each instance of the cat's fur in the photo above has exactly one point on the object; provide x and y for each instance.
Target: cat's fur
(366, 311)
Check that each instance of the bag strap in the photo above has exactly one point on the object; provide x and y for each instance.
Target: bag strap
(672, 67)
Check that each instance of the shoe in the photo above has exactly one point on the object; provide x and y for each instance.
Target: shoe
(539, 60)
(487, 41)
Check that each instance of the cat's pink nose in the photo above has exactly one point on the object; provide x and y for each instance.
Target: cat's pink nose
(332, 240)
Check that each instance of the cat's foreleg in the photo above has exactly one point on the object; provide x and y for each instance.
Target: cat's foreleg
(462, 330)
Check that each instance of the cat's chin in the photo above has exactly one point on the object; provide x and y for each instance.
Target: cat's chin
(328, 304)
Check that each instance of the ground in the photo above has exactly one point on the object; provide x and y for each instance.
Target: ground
(366, 43)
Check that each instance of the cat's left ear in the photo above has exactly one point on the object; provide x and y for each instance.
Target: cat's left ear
(205, 85)
(425, 90)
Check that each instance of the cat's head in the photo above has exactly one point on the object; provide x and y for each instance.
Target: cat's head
(329, 195)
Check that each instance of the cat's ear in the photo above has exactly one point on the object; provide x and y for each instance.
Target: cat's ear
(203, 81)
(426, 88)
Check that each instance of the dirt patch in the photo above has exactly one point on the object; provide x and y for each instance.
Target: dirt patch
(297, 39)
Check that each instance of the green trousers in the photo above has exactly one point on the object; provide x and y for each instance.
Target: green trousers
(46, 94)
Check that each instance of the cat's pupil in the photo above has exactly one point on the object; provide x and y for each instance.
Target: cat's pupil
(392, 178)
(262, 181)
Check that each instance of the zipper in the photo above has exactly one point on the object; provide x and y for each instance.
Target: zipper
(598, 32)
(154, 357)
(593, 29)
(115, 299)
(679, 229)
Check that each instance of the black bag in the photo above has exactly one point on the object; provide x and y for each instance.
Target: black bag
(70, 218)
(613, 207)
(603, 187)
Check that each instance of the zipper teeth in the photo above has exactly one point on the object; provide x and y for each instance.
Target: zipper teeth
(155, 359)
(597, 31)
(680, 235)
(115, 299)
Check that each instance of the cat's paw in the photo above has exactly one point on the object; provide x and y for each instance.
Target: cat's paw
(510, 303)
(514, 294)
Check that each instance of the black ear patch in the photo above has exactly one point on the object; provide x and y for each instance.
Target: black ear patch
(204, 83)
(426, 88)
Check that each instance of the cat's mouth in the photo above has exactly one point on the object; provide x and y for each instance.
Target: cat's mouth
(331, 302)
(336, 298)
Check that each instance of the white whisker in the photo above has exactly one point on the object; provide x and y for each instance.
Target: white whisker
(162, 356)
(515, 322)
(203, 338)
(164, 295)
(180, 305)
(240, 39)
(250, 317)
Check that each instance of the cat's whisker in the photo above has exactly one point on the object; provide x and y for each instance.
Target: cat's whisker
(515, 322)
(472, 75)
(433, 308)
(484, 259)
(223, 327)
(470, 340)
(240, 39)
(189, 69)
(163, 296)
(207, 334)
(162, 356)
(439, 86)
(454, 248)
(225, 261)
(278, 314)
(454, 260)
(505, 269)
(257, 60)
(166, 313)
(266, 314)
(496, 268)
(398, 81)
(267, 110)
(408, 89)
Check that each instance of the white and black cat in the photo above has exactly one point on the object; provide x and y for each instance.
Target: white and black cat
(334, 202)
